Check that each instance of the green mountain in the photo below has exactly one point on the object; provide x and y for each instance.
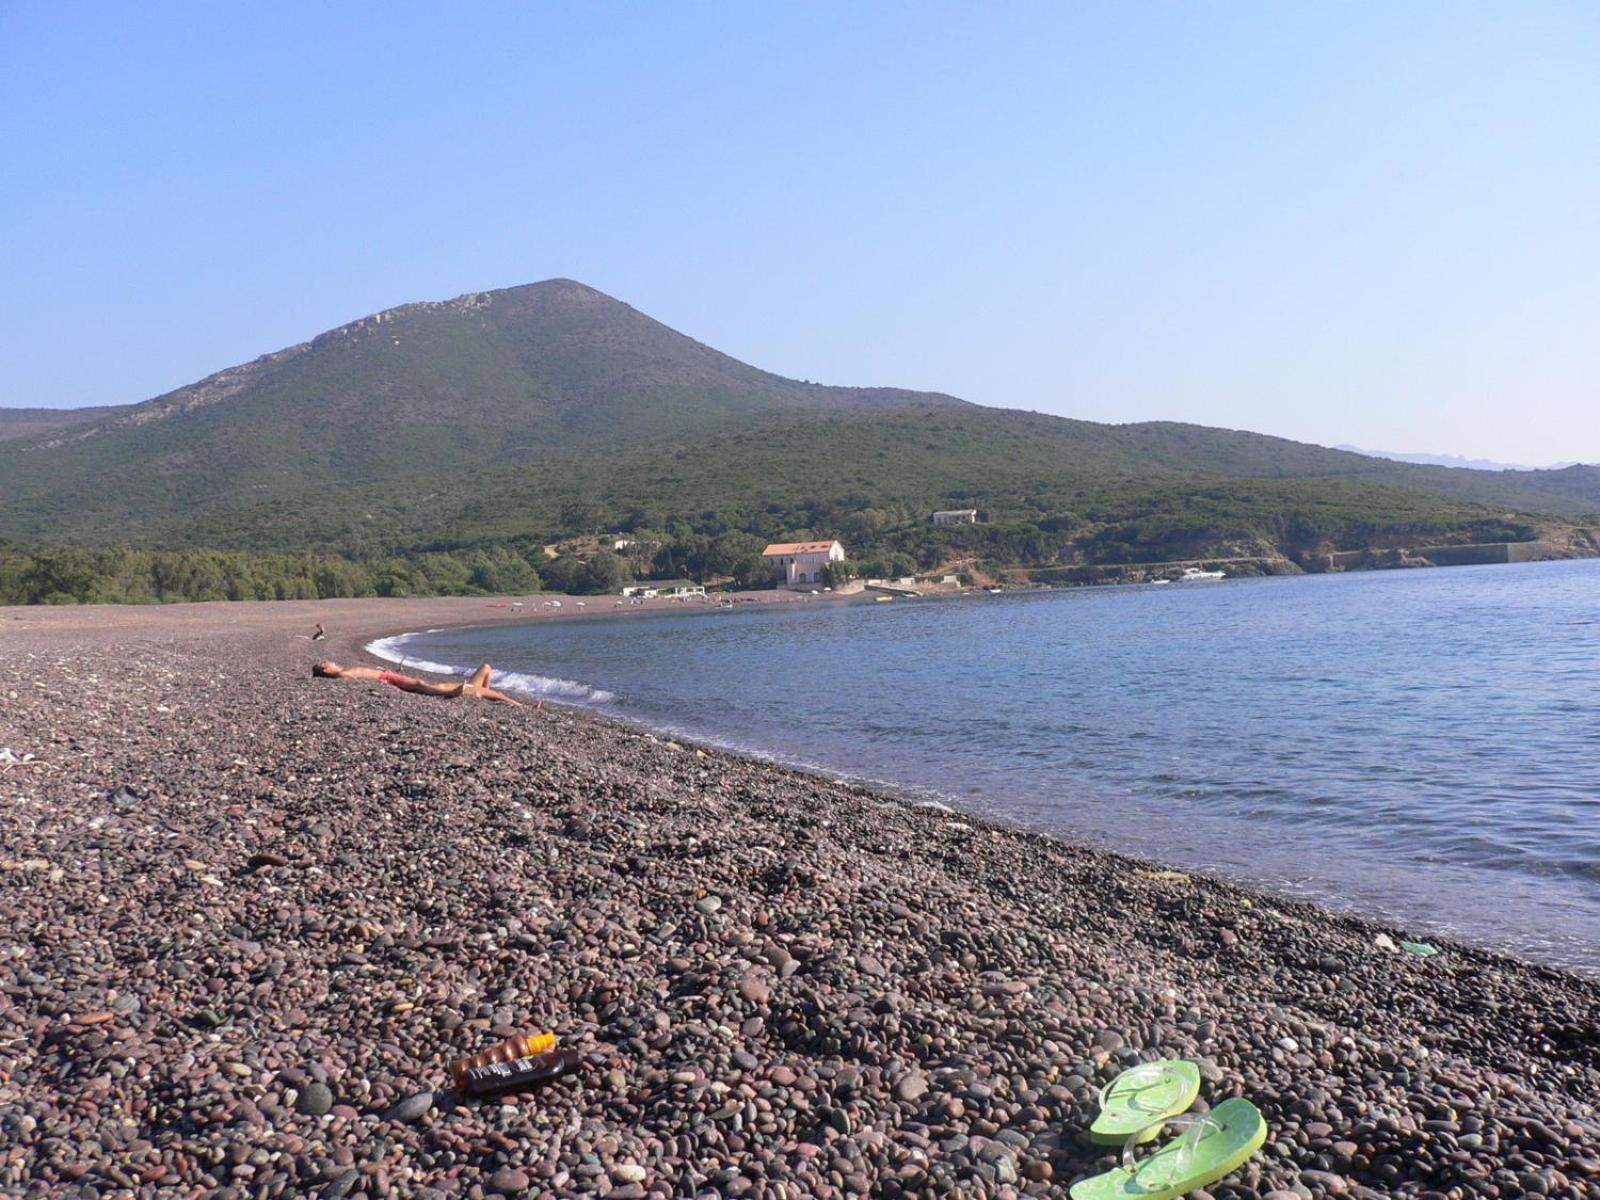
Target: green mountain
(505, 419)
(490, 379)
(1050, 491)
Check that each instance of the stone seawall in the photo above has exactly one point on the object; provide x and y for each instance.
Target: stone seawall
(1471, 554)
(1370, 559)
(1080, 576)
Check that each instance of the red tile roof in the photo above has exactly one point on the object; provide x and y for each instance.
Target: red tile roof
(782, 548)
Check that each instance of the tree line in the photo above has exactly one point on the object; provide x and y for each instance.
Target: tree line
(604, 547)
(125, 575)
(31, 574)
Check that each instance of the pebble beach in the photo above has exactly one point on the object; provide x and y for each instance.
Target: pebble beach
(247, 918)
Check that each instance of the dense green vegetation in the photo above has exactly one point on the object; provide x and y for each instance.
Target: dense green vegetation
(507, 378)
(345, 442)
(120, 575)
(1116, 524)
(1045, 491)
(684, 517)
(438, 448)
(704, 509)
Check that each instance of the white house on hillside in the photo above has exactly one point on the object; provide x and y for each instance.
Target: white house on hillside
(795, 563)
(956, 516)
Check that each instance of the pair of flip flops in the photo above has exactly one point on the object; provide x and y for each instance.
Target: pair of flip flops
(1138, 1104)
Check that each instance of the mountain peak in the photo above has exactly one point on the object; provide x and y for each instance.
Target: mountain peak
(559, 287)
(546, 293)
(503, 377)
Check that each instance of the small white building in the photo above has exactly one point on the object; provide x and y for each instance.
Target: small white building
(675, 589)
(796, 563)
(956, 516)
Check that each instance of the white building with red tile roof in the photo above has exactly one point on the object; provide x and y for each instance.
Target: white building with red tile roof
(797, 563)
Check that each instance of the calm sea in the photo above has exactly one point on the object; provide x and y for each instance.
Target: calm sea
(1423, 746)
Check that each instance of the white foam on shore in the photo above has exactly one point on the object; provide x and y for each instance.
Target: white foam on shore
(551, 686)
(392, 649)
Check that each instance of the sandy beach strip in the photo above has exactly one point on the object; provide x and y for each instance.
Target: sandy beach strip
(247, 918)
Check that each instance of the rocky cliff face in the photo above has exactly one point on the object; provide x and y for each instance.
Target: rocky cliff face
(364, 326)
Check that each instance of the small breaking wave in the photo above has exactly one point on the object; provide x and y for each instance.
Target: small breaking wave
(393, 649)
(551, 687)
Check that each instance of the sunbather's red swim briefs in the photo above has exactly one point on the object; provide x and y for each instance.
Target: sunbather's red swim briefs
(396, 679)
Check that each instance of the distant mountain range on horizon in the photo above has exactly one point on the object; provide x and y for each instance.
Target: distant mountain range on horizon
(1455, 461)
(551, 408)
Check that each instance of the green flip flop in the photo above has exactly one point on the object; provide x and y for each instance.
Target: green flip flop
(1215, 1144)
(1135, 1104)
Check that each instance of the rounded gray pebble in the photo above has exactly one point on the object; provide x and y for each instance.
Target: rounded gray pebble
(410, 1108)
(314, 1100)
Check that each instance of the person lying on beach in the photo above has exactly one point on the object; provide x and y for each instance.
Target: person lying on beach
(477, 685)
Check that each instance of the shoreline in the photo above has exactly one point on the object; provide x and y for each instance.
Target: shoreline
(1393, 920)
(784, 984)
(459, 613)
(907, 795)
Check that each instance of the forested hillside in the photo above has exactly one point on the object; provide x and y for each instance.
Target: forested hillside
(499, 422)
(503, 378)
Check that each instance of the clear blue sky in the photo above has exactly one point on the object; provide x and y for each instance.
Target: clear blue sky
(1371, 223)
